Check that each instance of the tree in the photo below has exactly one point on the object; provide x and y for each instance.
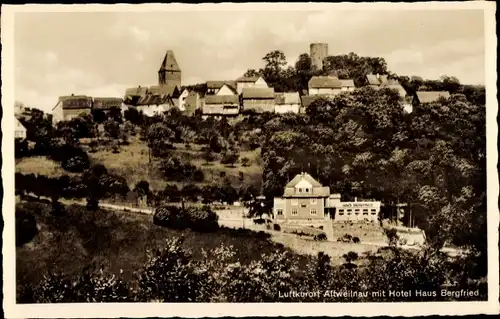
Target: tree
(159, 138)
(98, 116)
(142, 188)
(112, 129)
(229, 157)
(251, 73)
(133, 115)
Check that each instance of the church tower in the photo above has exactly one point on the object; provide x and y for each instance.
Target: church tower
(169, 73)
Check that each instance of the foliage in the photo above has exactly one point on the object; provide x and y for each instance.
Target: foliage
(198, 219)
(26, 227)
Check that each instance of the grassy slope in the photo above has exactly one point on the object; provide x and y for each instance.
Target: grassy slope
(133, 164)
(115, 240)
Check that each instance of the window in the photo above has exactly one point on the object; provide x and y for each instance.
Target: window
(341, 212)
(374, 211)
(356, 211)
(307, 190)
(294, 211)
(365, 211)
(300, 190)
(295, 202)
(313, 211)
(279, 211)
(349, 211)
(313, 200)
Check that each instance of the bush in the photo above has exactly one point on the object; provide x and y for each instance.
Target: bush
(198, 219)
(320, 237)
(277, 227)
(26, 228)
(203, 219)
(245, 161)
(171, 217)
(356, 240)
(259, 221)
(76, 164)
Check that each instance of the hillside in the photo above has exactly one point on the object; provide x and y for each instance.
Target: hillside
(132, 162)
(116, 240)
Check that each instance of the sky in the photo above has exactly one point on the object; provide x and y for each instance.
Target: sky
(103, 53)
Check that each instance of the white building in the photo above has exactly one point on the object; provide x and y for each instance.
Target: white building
(250, 82)
(329, 85)
(19, 130)
(287, 102)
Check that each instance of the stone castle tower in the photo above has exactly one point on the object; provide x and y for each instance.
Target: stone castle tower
(318, 52)
(169, 73)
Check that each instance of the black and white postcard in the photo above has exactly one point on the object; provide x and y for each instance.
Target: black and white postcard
(194, 160)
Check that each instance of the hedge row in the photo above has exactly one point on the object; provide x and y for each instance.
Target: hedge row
(198, 219)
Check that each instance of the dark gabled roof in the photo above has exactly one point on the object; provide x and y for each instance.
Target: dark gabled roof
(154, 99)
(287, 98)
(330, 82)
(169, 63)
(76, 102)
(251, 79)
(221, 99)
(137, 91)
(431, 96)
(308, 99)
(258, 93)
(106, 103)
(171, 90)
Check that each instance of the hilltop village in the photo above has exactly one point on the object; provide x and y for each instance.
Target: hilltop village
(229, 98)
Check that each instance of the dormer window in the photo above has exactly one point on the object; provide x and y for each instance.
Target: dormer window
(307, 190)
(300, 190)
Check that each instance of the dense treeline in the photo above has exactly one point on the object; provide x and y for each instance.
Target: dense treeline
(364, 145)
(172, 275)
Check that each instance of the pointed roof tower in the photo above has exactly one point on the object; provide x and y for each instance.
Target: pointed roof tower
(169, 63)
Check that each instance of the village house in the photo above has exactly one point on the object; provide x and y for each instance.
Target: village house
(329, 85)
(106, 104)
(422, 97)
(306, 199)
(19, 129)
(303, 198)
(132, 95)
(171, 90)
(287, 102)
(189, 101)
(258, 100)
(155, 104)
(221, 88)
(182, 99)
(250, 82)
(221, 105)
(70, 107)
